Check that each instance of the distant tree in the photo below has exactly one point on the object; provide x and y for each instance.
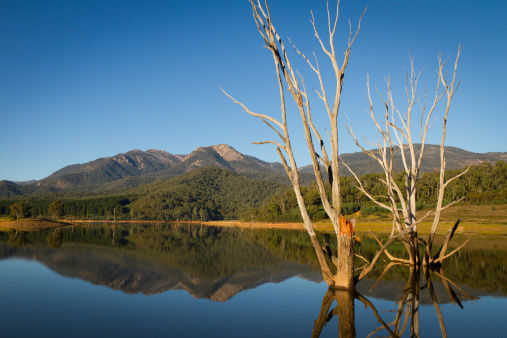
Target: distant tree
(179, 213)
(19, 210)
(204, 214)
(195, 213)
(56, 209)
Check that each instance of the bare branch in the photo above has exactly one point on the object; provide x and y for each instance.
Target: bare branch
(316, 34)
(270, 142)
(351, 41)
(361, 188)
(457, 176)
(375, 258)
(285, 165)
(450, 204)
(273, 128)
(367, 303)
(391, 257)
(364, 259)
(426, 215)
(440, 259)
(245, 108)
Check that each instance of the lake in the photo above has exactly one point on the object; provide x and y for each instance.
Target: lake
(102, 280)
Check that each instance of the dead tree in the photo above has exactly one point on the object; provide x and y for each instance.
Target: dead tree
(288, 79)
(345, 311)
(395, 130)
(407, 310)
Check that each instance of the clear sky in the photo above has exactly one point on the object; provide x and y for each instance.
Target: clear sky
(86, 79)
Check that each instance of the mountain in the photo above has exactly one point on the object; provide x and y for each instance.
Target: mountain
(23, 183)
(10, 189)
(103, 170)
(123, 172)
(456, 158)
(207, 262)
(226, 157)
(135, 168)
(132, 273)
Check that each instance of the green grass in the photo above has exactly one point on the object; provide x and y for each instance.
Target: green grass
(475, 219)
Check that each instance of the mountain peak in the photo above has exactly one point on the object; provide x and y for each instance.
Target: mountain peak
(157, 151)
(125, 168)
(228, 152)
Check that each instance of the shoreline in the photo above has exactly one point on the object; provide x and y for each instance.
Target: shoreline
(32, 224)
(363, 225)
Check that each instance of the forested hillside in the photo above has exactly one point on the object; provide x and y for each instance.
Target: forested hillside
(103, 208)
(484, 183)
(121, 173)
(215, 194)
(455, 158)
(203, 194)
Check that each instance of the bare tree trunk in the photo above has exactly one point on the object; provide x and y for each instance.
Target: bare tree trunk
(345, 256)
(322, 319)
(345, 311)
(414, 323)
(289, 80)
(414, 248)
(427, 275)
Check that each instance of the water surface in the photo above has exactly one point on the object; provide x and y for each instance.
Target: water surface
(192, 281)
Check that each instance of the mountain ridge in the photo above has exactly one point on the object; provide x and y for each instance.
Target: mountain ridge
(124, 171)
(456, 158)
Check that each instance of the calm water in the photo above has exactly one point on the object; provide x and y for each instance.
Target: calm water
(168, 280)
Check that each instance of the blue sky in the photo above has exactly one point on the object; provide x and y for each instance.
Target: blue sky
(86, 79)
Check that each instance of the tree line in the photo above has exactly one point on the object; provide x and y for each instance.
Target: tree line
(484, 183)
(102, 208)
(215, 194)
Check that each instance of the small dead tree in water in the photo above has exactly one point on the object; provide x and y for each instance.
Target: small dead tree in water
(396, 131)
(407, 309)
(342, 274)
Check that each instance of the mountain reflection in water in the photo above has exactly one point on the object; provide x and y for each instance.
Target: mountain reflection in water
(208, 262)
(218, 263)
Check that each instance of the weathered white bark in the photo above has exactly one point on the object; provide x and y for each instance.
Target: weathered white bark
(396, 130)
(342, 275)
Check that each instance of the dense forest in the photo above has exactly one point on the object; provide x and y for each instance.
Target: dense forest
(203, 194)
(216, 194)
(484, 183)
(103, 208)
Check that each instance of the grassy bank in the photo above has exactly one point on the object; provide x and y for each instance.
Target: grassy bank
(29, 224)
(475, 219)
(478, 219)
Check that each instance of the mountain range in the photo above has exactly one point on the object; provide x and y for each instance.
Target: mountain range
(123, 172)
(456, 158)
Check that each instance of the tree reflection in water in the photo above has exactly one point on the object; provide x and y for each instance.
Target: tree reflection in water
(218, 263)
(407, 311)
